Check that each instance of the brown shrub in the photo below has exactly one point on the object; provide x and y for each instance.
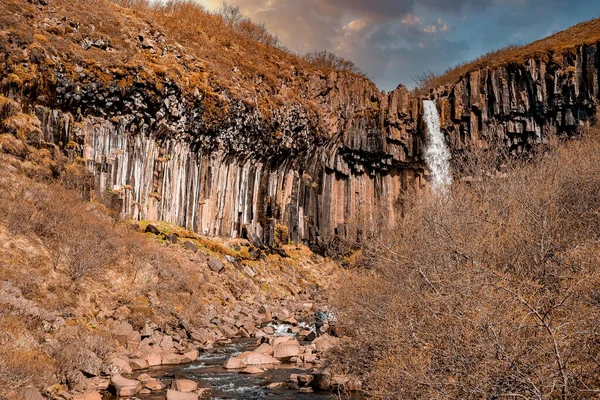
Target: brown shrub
(491, 291)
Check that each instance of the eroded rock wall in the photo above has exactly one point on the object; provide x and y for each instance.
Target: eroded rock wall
(519, 103)
(301, 185)
(306, 173)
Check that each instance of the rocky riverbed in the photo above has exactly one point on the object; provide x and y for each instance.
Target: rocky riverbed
(282, 361)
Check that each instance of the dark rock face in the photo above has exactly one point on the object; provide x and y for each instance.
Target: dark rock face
(517, 104)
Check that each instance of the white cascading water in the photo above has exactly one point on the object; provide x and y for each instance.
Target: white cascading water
(437, 154)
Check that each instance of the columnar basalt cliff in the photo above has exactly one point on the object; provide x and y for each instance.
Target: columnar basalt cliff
(516, 103)
(286, 154)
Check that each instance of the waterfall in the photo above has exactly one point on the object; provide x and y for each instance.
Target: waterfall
(437, 154)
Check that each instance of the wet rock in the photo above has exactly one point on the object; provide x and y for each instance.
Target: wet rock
(184, 385)
(252, 370)
(277, 385)
(175, 395)
(124, 387)
(286, 350)
(264, 348)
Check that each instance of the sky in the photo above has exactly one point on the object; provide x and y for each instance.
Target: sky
(396, 41)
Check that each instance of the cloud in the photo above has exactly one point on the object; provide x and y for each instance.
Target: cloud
(392, 40)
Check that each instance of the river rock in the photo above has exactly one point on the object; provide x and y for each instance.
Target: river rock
(259, 359)
(286, 350)
(87, 396)
(154, 385)
(184, 385)
(137, 364)
(176, 395)
(124, 387)
(121, 364)
(234, 363)
(264, 348)
(252, 370)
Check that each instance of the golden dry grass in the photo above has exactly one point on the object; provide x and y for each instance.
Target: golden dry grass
(552, 47)
(489, 292)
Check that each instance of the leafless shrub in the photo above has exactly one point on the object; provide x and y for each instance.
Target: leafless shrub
(490, 292)
(326, 60)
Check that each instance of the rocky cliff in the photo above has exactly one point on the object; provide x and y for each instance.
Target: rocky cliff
(290, 154)
(517, 103)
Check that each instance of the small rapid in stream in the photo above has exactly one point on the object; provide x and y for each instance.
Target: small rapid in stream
(208, 372)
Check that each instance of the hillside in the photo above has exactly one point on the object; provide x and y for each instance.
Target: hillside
(557, 45)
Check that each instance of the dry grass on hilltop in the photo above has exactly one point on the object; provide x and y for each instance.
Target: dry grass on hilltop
(585, 33)
(223, 56)
(493, 291)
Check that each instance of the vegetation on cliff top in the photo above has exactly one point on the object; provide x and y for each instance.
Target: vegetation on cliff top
(220, 57)
(556, 45)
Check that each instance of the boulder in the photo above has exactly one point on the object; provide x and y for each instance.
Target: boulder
(87, 396)
(184, 385)
(259, 359)
(153, 358)
(345, 383)
(234, 363)
(286, 350)
(252, 370)
(121, 365)
(31, 393)
(124, 387)
(154, 385)
(264, 348)
(215, 264)
(137, 364)
(190, 246)
(169, 358)
(176, 395)
(325, 342)
(152, 229)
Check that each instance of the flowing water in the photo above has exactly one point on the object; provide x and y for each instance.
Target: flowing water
(207, 371)
(437, 154)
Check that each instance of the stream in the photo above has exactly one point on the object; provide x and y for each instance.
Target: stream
(207, 371)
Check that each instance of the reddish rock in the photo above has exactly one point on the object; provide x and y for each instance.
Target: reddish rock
(88, 396)
(124, 387)
(137, 364)
(252, 370)
(234, 363)
(264, 348)
(184, 385)
(286, 350)
(259, 359)
(175, 395)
